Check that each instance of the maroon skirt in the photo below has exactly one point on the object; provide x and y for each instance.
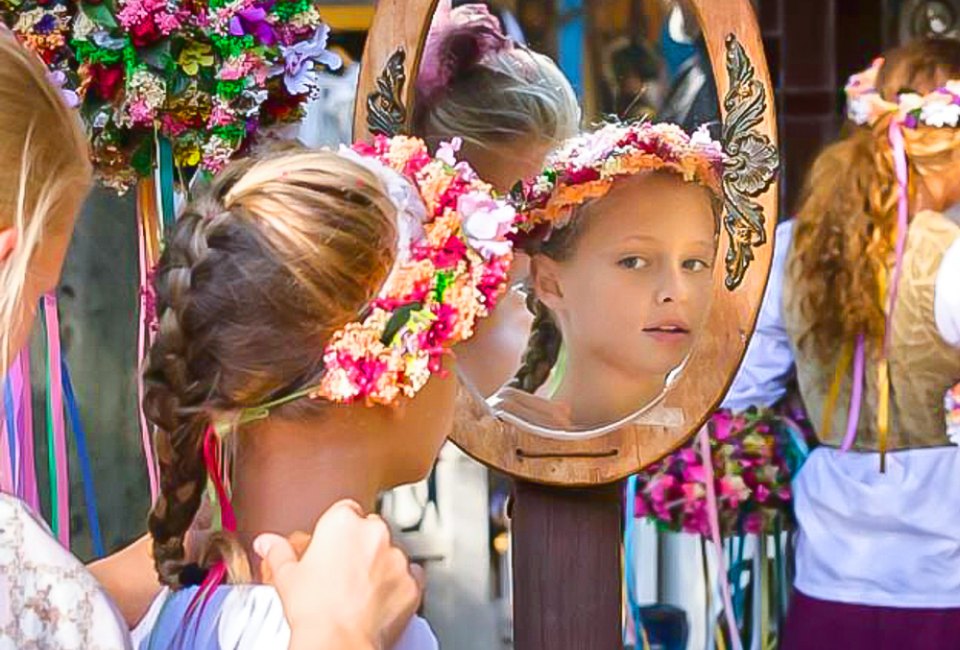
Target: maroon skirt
(823, 625)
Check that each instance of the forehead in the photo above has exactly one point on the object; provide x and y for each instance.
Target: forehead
(653, 206)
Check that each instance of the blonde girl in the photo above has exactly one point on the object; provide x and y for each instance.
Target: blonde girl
(48, 598)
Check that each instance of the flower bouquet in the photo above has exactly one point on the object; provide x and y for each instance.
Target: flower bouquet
(188, 83)
(754, 455)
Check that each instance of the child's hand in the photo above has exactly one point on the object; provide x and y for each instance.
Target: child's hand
(352, 588)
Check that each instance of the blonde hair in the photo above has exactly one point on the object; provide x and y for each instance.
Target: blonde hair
(48, 170)
(259, 272)
(848, 215)
(515, 93)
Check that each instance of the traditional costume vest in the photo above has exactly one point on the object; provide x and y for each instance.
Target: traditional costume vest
(922, 365)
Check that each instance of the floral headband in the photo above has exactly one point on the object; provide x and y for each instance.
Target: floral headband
(866, 106)
(587, 166)
(453, 255)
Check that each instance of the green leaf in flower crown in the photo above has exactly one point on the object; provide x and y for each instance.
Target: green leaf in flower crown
(100, 14)
(157, 56)
(400, 318)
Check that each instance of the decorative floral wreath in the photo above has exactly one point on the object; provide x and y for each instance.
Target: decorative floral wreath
(204, 75)
(453, 256)
(866, 107)
(586, 167)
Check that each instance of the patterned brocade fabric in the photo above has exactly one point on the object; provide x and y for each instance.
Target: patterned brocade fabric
(48, 599)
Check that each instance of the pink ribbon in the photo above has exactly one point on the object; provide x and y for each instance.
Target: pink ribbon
(856, 394)
(903, 216)
(714, 520)
(142, 334)
(901, 169)
(28, 468)
(56, 412)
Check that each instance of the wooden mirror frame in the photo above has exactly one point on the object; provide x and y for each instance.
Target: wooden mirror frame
(385, 94)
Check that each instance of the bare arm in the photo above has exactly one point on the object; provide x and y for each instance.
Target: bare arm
(129, 578)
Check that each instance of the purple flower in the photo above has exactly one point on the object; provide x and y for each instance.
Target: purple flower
(299, 60)
(253, 21)
(59, 79)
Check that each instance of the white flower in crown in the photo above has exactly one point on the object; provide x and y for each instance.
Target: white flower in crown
(859, 110)
(486, 223)
(702, 139)
(908, 103)
(939, 111)
(447, 151)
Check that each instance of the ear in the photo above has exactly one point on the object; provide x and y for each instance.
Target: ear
(8, 242)
(545, 278)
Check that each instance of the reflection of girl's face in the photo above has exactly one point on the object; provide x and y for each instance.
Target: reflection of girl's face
(633, 293)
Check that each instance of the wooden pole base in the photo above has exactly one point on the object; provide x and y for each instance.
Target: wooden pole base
(566, 568)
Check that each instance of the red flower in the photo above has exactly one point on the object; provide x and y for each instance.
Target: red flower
(145, 32)
(106, 80)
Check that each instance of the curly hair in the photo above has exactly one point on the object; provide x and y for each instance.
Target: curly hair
(847, 219)
(259, 272)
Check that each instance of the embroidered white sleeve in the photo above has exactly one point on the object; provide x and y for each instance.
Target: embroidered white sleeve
(946, 300)
(768, 363)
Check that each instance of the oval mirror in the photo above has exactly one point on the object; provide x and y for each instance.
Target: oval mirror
(576, 379)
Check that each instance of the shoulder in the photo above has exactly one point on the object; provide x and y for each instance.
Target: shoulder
(47, 597)
(237, 617)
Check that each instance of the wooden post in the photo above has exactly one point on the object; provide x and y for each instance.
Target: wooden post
(566, 568)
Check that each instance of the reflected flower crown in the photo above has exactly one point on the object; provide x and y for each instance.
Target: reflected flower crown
(587, 166)
(866, 106)
(453, 255)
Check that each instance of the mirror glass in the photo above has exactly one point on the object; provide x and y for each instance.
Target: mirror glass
(601, 316)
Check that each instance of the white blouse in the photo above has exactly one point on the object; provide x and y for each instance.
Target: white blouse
(866, 538)
(236, 617)
(48, 599)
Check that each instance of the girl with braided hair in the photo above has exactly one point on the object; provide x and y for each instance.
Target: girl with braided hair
(307, 302)
(509, 106)
(48, 599)
(622, 232)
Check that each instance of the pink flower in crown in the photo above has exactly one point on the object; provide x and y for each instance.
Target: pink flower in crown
(486, 223)
(141, 112)
(733, 490)
(447, 151)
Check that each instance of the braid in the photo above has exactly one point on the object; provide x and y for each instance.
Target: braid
(174, 395)
(543, 348)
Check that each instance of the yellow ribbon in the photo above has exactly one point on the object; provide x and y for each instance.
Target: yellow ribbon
(846, 357)
(883, 383)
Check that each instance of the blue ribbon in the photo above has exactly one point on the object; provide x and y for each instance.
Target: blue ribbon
(9, 414)
(80, 434)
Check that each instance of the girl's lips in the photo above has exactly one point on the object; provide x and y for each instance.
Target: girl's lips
(668, 333)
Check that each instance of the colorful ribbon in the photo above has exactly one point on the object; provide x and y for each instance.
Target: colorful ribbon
(714, 519)
(856, 394)
(29, 489)
(56, 427)
(80, 437)
(149, 253)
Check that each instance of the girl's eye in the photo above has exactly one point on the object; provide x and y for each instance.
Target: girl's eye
(633, 262)
(695, 265)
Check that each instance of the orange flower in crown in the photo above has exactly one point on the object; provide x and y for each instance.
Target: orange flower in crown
(587, 166)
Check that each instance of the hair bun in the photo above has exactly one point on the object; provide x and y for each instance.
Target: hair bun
(459, 40)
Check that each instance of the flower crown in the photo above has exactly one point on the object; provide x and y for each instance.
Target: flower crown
(453, 255)
(587, 166)
(866, 106)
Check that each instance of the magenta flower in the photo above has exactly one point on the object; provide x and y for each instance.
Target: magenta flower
(253, 21)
